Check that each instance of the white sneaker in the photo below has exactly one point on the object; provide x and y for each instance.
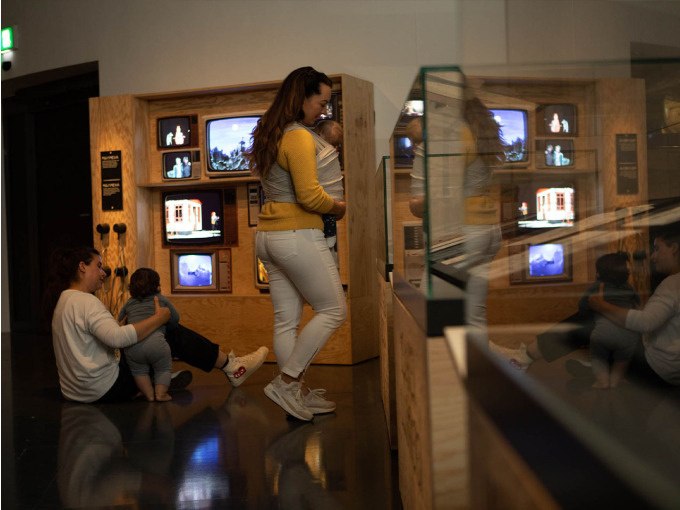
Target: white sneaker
(238, 369)
(289, 397)
(317, 403)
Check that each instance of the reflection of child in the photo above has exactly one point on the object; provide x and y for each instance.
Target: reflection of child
(329, 170)
(176, 169)
(611, 346)
(168, 138)
(154, 351)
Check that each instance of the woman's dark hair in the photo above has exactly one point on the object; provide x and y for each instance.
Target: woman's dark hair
(300, 84)
(144, 282)
(62, 272)
(485, 130)
(613, 268)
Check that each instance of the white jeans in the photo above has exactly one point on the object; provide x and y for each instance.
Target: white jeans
(301, 268)
(482, 242)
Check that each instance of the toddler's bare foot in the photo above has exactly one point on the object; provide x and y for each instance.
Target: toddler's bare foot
(163, 398)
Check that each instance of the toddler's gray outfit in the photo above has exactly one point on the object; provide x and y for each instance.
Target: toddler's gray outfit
(153, 352)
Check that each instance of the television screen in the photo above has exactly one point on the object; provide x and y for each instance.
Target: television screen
(403, 151)
(177, 131)
(179, 165)
(545, 207)
(195, 270)
(413, 107)
(227, 140)
(546, 260)
(555, 152)
(193, 217)
(556, 119)
(261, 277)
(514, 133)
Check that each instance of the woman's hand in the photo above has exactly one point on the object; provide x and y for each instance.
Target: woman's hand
(339, 209)
(162, 312)
(595, 301)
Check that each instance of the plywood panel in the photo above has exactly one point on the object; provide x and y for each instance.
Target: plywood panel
(413, 420)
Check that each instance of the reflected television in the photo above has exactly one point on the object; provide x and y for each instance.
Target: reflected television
(556, 120)
(537, 263)
(544, 207)
(555, 153)
(514, 133)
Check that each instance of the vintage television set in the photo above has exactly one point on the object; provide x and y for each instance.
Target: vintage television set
(544, 205)
(540, 263)
(227, 139)
(556, 120)
(178, 131)
(181, 165)
(193, 217)
(404, 151)
(555, 153)
(199, 270)
(413, 108)
(514, 131)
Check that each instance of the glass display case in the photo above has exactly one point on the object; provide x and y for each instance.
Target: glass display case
(512, 188)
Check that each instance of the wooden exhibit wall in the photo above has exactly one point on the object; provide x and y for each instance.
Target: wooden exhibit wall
(242, 319)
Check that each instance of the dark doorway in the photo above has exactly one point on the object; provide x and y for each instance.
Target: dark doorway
(46, 167)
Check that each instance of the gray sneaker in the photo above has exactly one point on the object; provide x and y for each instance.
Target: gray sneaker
(289, 397)
(317, 403)
(238, 369)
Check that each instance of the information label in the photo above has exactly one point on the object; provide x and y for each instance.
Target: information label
(626, 164)
(112, 181)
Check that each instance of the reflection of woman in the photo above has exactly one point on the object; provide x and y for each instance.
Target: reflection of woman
(290, 240)
(481, 229)
(659, 319)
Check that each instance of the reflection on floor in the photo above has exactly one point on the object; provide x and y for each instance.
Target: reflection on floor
(210, 447)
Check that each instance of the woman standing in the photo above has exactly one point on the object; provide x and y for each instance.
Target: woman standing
(290, 240)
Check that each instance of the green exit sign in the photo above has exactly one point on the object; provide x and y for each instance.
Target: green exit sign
(7, 39)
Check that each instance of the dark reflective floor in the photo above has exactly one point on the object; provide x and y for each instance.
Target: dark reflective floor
(211, 447)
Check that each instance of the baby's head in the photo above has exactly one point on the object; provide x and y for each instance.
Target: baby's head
(331, 131)
(144, 282)
(613, 268)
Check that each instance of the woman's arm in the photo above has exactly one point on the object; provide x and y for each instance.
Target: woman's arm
(614, 313)
(297, 154)
(147, 326)
(174, 314)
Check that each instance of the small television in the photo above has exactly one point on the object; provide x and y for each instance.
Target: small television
(181, 165)
(545, 206)
(332, 109)
(413, 108)
(261, 277)
(179, 131)
(200, 270)
(556, 120)
(227, 139)
(538, 263)
(193, 217)
(555, 153)
(514, 133)
(403, 151)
